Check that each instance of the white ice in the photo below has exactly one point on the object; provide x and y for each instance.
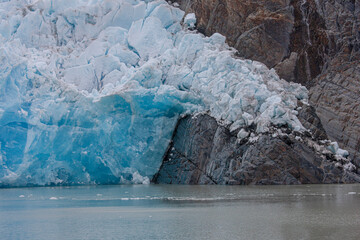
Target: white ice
(91, 91)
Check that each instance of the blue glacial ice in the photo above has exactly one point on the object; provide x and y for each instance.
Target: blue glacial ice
(91, 91)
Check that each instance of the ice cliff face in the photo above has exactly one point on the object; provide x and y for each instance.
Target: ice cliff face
(91, 91)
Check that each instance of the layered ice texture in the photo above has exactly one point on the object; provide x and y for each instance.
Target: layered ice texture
(91, 91)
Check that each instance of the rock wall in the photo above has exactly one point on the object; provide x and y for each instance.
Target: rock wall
(336, 92)
(204, 152)
(313, 42)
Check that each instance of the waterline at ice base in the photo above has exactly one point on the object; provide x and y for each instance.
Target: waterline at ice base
(91, 91)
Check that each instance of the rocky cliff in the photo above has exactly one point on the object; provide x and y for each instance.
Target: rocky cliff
(313, 42)
(204, 152)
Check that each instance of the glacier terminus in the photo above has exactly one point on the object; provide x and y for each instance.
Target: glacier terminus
(91, 91)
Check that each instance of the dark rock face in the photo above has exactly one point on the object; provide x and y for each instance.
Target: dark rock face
(336, 92)
(336, 98)
(310, 120)
(312, 42)
(203, 152)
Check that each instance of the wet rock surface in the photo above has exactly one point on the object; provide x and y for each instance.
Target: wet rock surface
(203, 152)
(315, 43)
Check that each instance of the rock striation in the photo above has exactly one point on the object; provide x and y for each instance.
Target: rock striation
(312, 42)
(336, 92)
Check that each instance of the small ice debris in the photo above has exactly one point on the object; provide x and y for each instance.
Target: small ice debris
(297, 128)
(338, 165)
(190, 20)
(242, 134)
(21, 196)
(253, 139)
(351, 193)
(248, 118)
(342, 152)
(138, 179)
(298, 138)
(53, 198)
(349, 167)
(23, 112)
(99, 195)
(317, 147)
(334, 148)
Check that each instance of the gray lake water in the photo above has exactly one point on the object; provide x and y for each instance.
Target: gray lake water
(181, 212)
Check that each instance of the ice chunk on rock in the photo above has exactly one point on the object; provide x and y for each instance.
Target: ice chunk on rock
(190, 20)
(334, 148)
(91, 91)
(242, 134)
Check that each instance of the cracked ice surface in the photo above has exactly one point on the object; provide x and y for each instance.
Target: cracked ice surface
(91, 91)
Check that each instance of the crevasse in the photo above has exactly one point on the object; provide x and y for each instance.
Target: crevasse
(91, 91)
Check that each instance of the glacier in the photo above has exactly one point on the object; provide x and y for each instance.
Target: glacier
(91, 91)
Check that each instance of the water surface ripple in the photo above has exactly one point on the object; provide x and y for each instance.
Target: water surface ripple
(181, 212)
